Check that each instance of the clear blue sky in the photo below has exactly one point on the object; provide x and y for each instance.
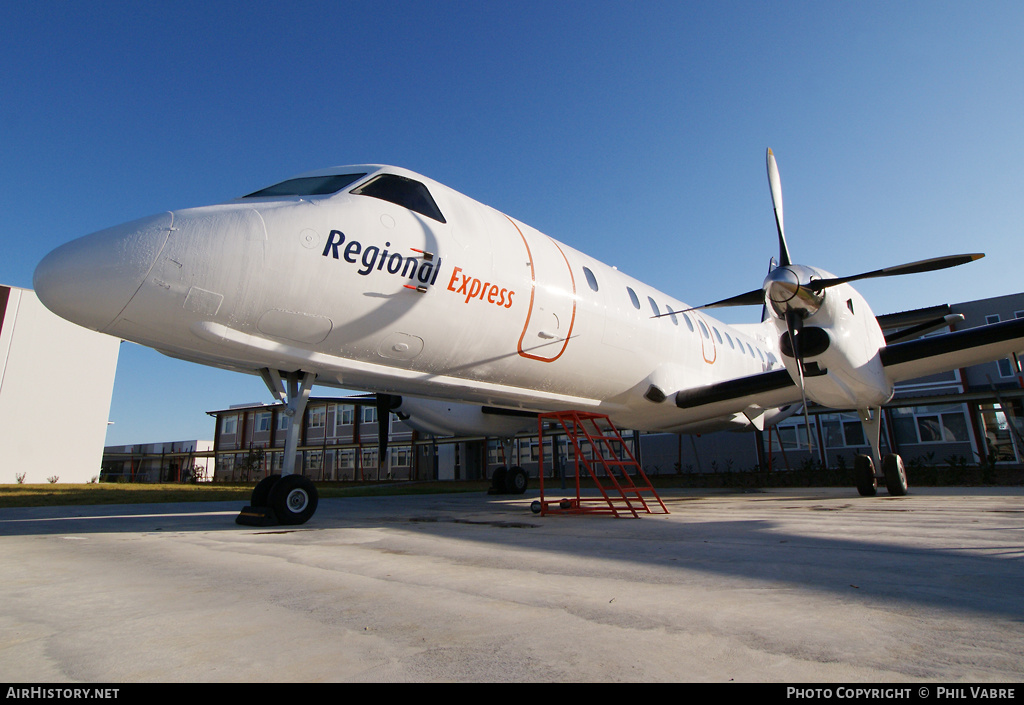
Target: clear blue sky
(634, 131)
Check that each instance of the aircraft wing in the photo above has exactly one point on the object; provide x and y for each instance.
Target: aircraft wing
(972, 346)
(902, 361)
(752, 394)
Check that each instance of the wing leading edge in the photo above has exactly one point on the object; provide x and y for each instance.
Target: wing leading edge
(972, 346)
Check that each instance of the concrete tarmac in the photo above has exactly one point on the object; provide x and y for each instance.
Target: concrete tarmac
(811, 585)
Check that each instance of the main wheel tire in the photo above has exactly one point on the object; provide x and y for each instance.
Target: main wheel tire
(261, 493)
(498, 479)
(516, 480)
(895, 475)
(293, 499)
(864, 476)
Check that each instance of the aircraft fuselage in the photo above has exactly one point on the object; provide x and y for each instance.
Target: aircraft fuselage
(370, 294)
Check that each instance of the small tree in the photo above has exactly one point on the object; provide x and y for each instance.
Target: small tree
(252, 463)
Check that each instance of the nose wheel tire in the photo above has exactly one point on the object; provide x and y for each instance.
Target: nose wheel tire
(294, 499)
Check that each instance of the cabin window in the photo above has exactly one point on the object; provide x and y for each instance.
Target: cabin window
(689, 323)
(402, 192)
(719, 336)
(633, 297)
(308, 186)
(591, 279)
(703, 329)
(654, 306)
(731, 344)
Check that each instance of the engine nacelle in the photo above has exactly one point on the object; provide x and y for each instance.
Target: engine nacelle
(840, 346)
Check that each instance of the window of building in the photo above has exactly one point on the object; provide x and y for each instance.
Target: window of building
(842, 431)
(369, 458)
(401, 457)
(937, 423)
(317, 416)
(263, 421)
(369, 414)
(282, 421)
(346, 459)
(793, 436)
(1005, 367)
(314, 460)
(344, 415)
(230, 426)
(403, 192)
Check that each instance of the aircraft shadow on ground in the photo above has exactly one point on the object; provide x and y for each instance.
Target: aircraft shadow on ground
(877, 571)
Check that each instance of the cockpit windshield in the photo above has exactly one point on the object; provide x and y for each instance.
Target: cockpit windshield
(308, 186)
(404, 192)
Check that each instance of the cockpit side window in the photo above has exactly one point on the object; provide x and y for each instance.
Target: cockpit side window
(308, 186)
(403, 192)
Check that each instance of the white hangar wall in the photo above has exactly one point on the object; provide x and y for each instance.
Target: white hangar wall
(56, 382)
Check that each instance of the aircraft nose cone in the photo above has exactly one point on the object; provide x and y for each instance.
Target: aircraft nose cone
(90, 280)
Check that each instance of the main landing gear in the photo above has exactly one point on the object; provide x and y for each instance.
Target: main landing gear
(894, 473)
(286, 498)
(513, 480)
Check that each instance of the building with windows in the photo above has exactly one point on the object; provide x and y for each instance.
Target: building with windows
(173, 461)
(339, 441)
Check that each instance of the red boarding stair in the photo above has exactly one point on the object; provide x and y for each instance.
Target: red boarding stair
(623, 484)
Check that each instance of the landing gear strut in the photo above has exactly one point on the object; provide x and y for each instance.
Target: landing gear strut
(286, 498)
(893, 471)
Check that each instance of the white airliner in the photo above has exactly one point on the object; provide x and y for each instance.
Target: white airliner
(376, 278)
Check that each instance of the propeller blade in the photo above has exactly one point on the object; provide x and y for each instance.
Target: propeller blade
(795, 326)
(751, 298)
(775, 182)
(925, 265)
